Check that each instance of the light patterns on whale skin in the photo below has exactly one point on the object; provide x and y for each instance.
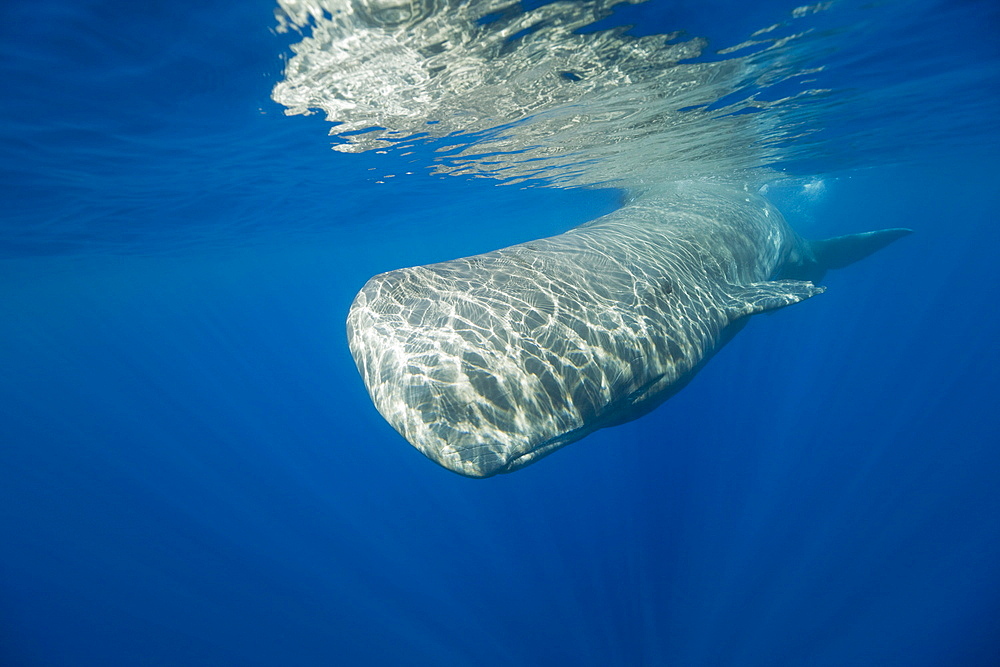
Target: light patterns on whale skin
(487, 363)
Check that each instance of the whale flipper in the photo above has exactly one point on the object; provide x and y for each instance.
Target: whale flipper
(770, 295)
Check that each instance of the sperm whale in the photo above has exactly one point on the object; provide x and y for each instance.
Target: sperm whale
(489, 363)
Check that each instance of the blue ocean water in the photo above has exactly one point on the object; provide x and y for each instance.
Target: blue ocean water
(192, 472)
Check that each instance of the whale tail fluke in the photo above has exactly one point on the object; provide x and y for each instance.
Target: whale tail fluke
(835, 253)
(841, 251)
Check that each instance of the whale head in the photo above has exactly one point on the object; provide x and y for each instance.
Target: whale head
(477, 378)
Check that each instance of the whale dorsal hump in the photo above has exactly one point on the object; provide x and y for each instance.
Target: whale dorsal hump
(771, 295)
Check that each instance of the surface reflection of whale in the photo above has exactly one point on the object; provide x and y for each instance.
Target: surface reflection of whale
(488, 363)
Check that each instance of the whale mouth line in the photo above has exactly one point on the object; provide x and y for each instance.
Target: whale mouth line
(524, 459)
(611, 418)
(543, 450)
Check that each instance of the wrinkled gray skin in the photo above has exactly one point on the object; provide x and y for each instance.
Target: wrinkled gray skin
(489, 363)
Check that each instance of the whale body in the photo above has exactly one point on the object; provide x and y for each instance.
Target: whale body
(488, 363)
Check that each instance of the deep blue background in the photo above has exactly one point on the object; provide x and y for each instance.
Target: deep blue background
(192, 473)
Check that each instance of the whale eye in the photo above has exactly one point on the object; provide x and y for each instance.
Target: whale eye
(666, 287)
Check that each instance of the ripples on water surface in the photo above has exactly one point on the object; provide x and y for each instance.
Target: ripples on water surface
(554, 93)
